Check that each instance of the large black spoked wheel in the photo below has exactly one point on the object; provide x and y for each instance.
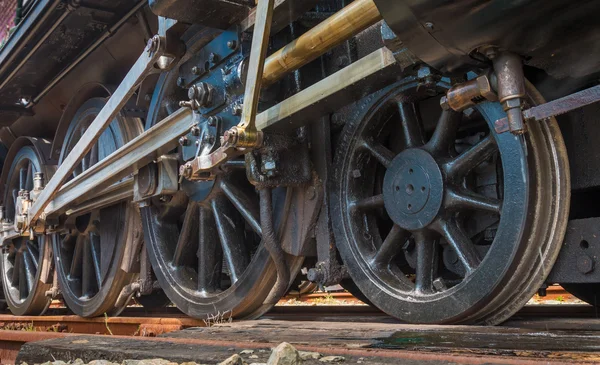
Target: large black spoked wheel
(205, 247)
(438, 218)
(26, 263)
(90, 253)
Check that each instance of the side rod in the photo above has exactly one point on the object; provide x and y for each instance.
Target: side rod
(142, 67)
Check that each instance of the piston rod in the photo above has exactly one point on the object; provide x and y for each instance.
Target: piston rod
(338, 28)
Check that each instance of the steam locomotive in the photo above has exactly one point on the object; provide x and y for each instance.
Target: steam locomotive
(436, 158)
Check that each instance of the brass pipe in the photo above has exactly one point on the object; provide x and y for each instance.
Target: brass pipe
(340, 27)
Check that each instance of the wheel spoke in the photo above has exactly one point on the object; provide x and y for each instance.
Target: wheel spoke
(29, 271)
(75, 269)
(245, 202)
(391, 246)
(411, 125)
(22, 277)
(88, 277)
(471, 158)
(461, 243)
(380, 152)
(94, 155)
(29, 177)
(367, 204)
(231, 235)
(188, 237)
(209, 253)
(426, 264)
(96, 252)
(16, 270)
(23, 177)
(463, 199)
(445, 133)
(33, 253)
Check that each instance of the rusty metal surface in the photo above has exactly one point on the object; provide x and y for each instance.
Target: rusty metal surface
(555, 107)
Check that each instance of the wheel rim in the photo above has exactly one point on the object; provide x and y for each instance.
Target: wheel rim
(26, 263)
(427, 197)
(89, 253)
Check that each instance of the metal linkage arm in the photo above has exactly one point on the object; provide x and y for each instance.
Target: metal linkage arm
(142, 68)
(239, 139)
(554, 108)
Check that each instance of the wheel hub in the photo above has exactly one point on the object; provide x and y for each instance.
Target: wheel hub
(413, 189)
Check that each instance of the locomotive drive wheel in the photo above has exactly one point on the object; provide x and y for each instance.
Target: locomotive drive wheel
(89, 255)
(206, 251)
(204, 243)
(26, 263)
(447, 221)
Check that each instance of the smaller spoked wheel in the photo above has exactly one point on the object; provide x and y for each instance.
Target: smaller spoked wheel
(26, 263)
(90, 258)
(438, 218)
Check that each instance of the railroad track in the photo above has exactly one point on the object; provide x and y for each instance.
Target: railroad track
(554, 333)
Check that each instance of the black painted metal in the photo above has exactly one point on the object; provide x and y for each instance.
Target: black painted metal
(220, 14)
(51, 36)
(25, 262)
(551, 34)
(89, 254)
(579, 258)
(406, 237)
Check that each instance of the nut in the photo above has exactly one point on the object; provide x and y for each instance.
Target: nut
(444, 103)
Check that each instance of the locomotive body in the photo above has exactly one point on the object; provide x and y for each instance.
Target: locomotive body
(203, 152)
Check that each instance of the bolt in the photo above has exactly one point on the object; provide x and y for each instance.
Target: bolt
(444, 103)
(181, 82)
(165, 198)
(237, 110)
(356, 173)
(152, 45)
(213, 58)
(147, 97)
(197, 70)
(231, 44)
(197, 143)
(183, 141)
(585, 264)
(439, 284)
(429, 26)
(195, 131)
(212, 121)
(185, 171)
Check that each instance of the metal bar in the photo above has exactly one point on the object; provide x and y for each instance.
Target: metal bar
(554, 108)
(260, 44)
(317, 100)
(140, 151)
(123, 190)
(86, 53)
(340, 27)
(143, 66)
